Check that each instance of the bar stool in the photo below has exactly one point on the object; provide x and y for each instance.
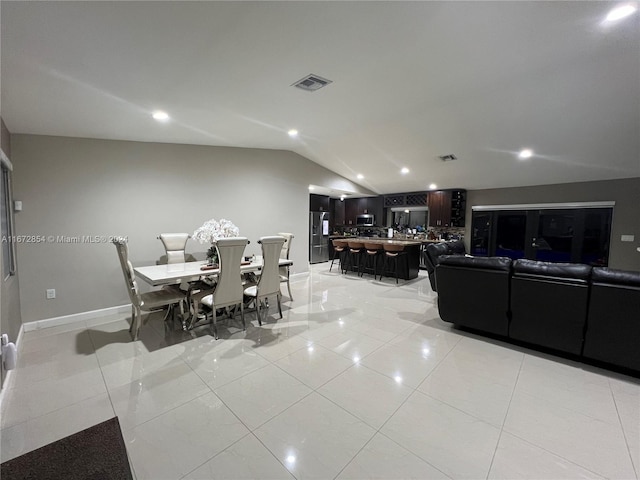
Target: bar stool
(354, 255)
(339, 249)
(392, 253)
(372, 252)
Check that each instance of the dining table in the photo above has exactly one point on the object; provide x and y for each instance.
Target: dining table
(167, 274)
(192, 273)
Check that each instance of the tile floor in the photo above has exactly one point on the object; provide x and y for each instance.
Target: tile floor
(360, 379)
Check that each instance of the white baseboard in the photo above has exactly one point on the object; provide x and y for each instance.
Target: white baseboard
(75, 317)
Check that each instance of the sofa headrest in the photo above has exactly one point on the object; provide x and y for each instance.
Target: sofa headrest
(574, 271)
(437, 249)
(487, 263)
(457, 247)
(618, 277)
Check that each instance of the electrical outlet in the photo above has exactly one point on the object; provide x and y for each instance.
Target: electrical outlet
(51, 293)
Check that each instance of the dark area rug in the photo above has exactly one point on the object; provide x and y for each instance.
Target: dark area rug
(97, 453)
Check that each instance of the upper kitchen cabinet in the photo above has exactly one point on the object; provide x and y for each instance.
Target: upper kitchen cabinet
(318, 203)
(439, 208)
(363, 206)
(337, 211)
(447, 208)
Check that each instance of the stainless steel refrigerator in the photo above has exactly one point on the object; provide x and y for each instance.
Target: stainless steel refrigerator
(318, 237)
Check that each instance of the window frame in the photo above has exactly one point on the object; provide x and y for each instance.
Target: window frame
(8, 270)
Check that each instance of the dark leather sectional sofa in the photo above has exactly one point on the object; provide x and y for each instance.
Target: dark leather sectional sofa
(589, 312)
(437, 250)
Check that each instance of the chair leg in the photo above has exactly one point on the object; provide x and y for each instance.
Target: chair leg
(133, 316)
(258, 305)
(215, 319)
(332, 260)
(279, 306)
(135, 323)
(244, 325)
(289, 289)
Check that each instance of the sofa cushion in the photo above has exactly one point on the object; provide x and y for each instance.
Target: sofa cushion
(615, 277)
(487, 263)
(572, 272)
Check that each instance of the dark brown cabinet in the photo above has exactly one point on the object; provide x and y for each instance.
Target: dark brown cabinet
(439, 208)
(351, 210)
(337, 212)
(318, 203)
(361, 206)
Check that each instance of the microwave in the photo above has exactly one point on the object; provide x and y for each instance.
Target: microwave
(365, 220)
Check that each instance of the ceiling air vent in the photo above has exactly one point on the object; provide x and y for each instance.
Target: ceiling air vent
(447, 158)
(311, 83)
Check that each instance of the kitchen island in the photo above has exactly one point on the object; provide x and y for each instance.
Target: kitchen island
(406, 270)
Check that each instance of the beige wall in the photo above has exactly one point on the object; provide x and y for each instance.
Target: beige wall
(626, 213)
(74, 187)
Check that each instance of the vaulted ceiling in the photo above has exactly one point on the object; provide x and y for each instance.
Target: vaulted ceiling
(411, 81)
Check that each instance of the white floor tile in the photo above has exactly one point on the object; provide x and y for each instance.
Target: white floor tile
(454, 442)
(406, 362)
(155, 394)
(367, 394)
(219, 362)
(129, 370)
(314, 365)
(34, 400)
(180, 440)
(384, 459)
(517, 459)
(247, 459)
(568, 385)
(480, 383)
(314, 438)
(587, 441)
(627, 397)
(259, 396)
(350, 344)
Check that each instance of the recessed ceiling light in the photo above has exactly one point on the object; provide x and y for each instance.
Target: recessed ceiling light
(620, 12)
(311, 187)
(404, 170)
(526, 153)
(160, 116)
(293, 132)
(360, 176)
(433, 186)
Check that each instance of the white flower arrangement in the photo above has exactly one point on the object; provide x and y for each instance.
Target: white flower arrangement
(213, 230)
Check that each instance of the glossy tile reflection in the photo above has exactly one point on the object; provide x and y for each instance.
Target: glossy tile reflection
(359, 379)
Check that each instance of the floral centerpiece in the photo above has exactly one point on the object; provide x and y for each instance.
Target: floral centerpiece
(213, 230)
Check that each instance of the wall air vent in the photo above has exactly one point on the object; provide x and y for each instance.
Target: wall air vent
(447, 158)
(311, 83)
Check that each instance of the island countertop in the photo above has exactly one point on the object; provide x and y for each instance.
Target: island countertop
(382, 241)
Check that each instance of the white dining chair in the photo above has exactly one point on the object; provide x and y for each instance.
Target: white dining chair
(228, 291)
(144, 302)
(175, 247)
(269, 280)
(284, 253)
